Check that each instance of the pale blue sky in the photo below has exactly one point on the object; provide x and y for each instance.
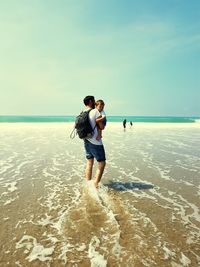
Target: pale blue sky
(142, 57)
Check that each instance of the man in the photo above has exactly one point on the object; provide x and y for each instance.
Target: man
(94, 148)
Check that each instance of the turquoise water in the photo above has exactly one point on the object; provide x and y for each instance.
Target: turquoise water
(109, 118)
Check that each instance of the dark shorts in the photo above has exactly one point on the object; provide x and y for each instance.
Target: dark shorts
(94, 151)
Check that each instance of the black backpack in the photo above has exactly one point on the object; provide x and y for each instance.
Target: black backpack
(82, 126)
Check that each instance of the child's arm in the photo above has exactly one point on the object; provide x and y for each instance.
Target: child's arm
(99, 119)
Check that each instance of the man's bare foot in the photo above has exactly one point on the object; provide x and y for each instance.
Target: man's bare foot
(96, 185)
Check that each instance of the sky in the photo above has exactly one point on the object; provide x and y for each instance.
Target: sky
(141, 57)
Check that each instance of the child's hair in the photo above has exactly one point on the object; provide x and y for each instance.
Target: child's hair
(100, 101)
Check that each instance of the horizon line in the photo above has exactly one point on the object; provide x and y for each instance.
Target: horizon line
(181, 116)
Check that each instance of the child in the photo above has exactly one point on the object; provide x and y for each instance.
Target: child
(100, 106)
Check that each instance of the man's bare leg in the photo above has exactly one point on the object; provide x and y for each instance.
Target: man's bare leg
(88, 170)
(99, 172)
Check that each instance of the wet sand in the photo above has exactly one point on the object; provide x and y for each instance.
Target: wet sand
(146, 212)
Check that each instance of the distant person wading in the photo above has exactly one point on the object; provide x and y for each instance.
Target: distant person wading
(124, 124)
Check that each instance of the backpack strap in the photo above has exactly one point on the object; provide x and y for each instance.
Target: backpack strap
(95, 122)
(73, 134)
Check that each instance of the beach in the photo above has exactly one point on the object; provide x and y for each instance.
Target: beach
(145, 213)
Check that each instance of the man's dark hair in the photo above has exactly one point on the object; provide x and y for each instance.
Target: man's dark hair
(87, 99)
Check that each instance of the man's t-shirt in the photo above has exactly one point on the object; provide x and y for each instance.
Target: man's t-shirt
(93, 115)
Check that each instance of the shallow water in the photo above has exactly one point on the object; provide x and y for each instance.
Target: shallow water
(146, 212)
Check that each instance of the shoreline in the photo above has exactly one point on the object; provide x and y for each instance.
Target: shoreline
(110, 119)
(113, 124)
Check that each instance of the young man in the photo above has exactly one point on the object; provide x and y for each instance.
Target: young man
(94, 148)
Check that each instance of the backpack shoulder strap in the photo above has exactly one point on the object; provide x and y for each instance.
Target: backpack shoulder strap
(73, 133)
(88, 115)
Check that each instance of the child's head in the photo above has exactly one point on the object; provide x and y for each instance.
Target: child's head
(100, 105)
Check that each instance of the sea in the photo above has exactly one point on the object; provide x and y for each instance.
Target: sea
(161, 119)
(145, 213)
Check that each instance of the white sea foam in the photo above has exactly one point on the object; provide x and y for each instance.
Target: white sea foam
(168, 253)
(96, 259)
(45, 221)
(185, 260)
(195, 215)
(35, 250)
(6, 166)
(187, 183)
(81, 247)
(11, 186)
(51, 238)
(92, 190)
(101, 196)
(46, 173)
(19, 167)
(18, 264)
(9, 201)
(65, 248)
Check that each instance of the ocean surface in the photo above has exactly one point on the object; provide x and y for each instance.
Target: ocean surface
(110, 119)
(146, 212)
